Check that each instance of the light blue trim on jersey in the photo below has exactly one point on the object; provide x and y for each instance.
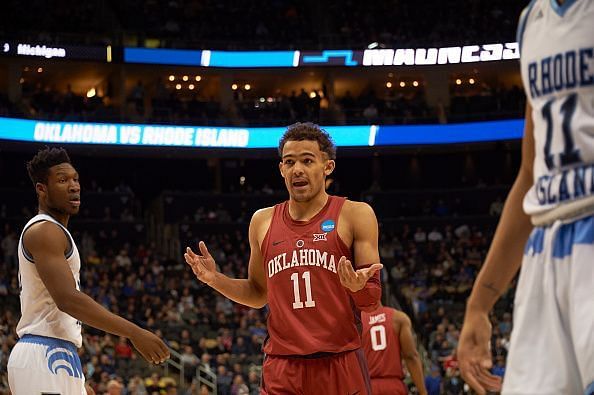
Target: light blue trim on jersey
(568, 235)
(563, 243)
(535, 243)
(522, 24)
(578, 232)
(584, 231)
(57, 358)
(589, 389)
(561, 9)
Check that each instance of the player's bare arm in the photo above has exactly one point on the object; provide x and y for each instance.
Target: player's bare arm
(252, 291)
(47, 243)
(408, 349)
(501, 265)
(358, 225)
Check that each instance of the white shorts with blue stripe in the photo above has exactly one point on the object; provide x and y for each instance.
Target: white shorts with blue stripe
(45, 365)
(552, 341)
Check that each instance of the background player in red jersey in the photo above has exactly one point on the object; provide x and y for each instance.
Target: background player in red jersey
(387, 339)
(300, 265)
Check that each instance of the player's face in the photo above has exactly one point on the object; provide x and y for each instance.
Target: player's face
(304, 168)
(62, 192)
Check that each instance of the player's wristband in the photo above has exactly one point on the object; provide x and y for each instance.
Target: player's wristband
(368, 298)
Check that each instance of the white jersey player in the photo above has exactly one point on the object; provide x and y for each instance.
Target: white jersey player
(45, 359)
(548, 220)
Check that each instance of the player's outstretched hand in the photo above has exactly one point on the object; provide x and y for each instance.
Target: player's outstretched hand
(150, 346)
(203, 266)
(474, 354)
(353, 279)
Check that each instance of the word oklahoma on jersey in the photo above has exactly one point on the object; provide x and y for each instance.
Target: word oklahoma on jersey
(310, 310)
(381, 345)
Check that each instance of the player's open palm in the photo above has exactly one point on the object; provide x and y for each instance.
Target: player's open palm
(474, 354)
(203, 266)
(353, 279)
(150, 346)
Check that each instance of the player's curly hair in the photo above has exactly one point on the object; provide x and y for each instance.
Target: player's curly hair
(38, 167)
(302, 131)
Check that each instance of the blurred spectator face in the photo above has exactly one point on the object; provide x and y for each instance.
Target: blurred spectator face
(238, 379)
(205, 358)
(114, 387)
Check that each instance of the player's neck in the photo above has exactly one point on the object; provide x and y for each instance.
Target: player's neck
(560, 2)
(304, 211)
(60, 217)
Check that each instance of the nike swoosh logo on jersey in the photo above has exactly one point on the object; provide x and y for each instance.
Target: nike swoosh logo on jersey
(278, 242)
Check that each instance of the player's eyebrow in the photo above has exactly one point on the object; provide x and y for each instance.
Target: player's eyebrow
(306, 153)
(66, 173)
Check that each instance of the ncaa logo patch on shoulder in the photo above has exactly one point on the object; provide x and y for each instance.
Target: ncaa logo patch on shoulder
(328, 225)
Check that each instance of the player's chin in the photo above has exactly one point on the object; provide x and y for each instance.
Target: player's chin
(301, 197)
(73, 210)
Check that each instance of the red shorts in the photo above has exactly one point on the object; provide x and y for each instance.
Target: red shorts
(340, 374)
(388, 386)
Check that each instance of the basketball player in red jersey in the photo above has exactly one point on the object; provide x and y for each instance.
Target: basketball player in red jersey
(314, 260)
(388, 337)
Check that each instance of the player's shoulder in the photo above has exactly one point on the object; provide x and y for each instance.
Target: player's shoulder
(400, 318)
(356, 208)
(523, 20)
(263, 213)
(262, 216)
(531, 6)
(44, 233)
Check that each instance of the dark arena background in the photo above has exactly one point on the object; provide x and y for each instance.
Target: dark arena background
(172, 112)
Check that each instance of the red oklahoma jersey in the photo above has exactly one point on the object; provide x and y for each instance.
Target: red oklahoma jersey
(381, 345)
(309, 310)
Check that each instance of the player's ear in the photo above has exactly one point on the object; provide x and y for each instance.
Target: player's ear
(280, 168)
(329, 167)
(40, 189)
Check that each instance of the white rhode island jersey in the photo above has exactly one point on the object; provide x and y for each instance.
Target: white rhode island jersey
(39, 313)
(557, 62)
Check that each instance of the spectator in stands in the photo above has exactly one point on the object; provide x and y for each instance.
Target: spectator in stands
(9, 248)
(224, 380)
(496, 207)
(114, 387)
(433, 382)
(239, 387)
